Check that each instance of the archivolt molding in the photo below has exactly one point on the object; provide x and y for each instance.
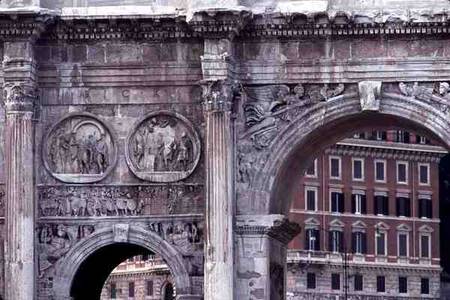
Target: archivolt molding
(425, 107)
(67, 267)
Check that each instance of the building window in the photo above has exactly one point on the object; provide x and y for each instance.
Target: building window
(335, 167)
(131, 289)
(422, 140)
(149, 288)
(359, 204)
(312, 239)
(403, 285)
(337, 202)
(424, 174)
(335, 281)
(381, 284)
(380, 243)
(113, 291)
(381, 205)
(380, 170)
(358, 169)
(358, 282)
(403, 207)
(403, 244)
(359, 135)
(311, 198)
(311, 281)
(312, 170)
(425, 286)
(425, 246)
(425, 208)
(168, 292)
(402, 136)
(336, 241)
(402, 172)
(359, 242)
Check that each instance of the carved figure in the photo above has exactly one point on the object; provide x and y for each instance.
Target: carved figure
(54, 246)
(79, 145)
(163, 147)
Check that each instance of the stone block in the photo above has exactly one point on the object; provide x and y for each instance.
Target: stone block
(289, 50)
(96, 53)
(341, 49)
(123, 53)
(79, 53)
(312, 49)
(59, 54)
(373, 48)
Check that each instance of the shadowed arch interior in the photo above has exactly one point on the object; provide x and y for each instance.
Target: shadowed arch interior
(304, 152)
(95, 269)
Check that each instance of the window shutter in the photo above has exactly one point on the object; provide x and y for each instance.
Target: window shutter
(399, 206)
(333, 202)
(307, 235)
(341, 241)
(429, 209)
(364, 242)
(317, 234)
(353, 203)
(408, 207)
(386, 206)
(341, 202)
(363, 204)
(354, 242)
(330, 241)
(375, 204)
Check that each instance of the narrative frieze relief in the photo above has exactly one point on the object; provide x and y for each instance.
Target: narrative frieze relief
(104, 201)
(79, 149)
(267, 107)
(436, 93)
(55, 240)
(163, 147)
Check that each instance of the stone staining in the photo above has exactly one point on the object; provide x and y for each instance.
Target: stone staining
(164, 147)
(79, 149)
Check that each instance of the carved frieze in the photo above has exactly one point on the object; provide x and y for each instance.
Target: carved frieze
(55, 240)
(69, 201)
(185, 235)
(163, 147)
(267, 107)
(436, 94)
(79, 149)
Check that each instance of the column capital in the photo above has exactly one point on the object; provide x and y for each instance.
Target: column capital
(218, 95)
(277, 227)
(19, 97)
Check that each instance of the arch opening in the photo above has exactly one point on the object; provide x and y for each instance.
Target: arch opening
(93, 272)
(302, 152)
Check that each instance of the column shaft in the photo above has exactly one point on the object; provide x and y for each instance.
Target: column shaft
(19, 243)
(219, 269)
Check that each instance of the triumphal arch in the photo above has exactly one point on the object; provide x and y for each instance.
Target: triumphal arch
(181, 127)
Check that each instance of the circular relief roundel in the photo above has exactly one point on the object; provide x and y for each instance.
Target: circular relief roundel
(79, 149)
(163, 147)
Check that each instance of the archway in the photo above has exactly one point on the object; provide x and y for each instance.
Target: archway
(88, 263)
(323, 125)
(283, 160)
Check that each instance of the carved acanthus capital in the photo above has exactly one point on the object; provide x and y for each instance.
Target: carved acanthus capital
(218, 95)
(19, 97)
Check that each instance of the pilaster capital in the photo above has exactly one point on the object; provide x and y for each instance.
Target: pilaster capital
(218, 95)
(19, 97)
(277, 227)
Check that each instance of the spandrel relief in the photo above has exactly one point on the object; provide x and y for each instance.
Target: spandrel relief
(79, 149)
(163, 147)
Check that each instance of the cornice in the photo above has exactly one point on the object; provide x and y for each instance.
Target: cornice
(243, 23)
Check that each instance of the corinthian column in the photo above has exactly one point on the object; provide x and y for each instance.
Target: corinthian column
(19, 93)
(219, 270)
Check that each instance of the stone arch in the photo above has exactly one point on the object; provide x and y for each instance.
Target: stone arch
(325, 124)
(67, 267)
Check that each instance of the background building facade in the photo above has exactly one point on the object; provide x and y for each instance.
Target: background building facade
(369, 206)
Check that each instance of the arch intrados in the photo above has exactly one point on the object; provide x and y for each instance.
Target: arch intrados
(68, 266)
(329, 124)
